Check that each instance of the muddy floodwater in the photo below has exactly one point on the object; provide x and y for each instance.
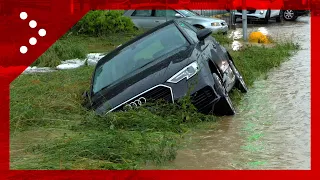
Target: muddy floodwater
(271, 129)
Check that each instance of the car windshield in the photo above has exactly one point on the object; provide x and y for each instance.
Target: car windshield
(188, 13)
(138, 54)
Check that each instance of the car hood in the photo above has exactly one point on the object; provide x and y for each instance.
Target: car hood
(153, 74)
(204, 19)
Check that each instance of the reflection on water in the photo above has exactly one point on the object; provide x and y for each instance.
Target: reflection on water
(272, 127)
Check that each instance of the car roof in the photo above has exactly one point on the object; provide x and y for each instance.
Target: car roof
(137, 38)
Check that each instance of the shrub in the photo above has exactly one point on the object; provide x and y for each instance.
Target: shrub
(100, 22)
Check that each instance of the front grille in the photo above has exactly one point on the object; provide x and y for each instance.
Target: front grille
(202, 98)
(159, 92)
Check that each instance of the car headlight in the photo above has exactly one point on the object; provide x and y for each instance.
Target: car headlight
(215, 24)
(261, 12)
(187, 72)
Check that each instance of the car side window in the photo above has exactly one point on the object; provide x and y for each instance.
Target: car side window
(164, 13)
(190, 31)
(142, 13)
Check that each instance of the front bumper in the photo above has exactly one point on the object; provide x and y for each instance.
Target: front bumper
(201, 89)
(217, 29)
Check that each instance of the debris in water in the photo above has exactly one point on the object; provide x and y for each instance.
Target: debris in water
(93, 58)
(35, 69)
(71, 64)
(236, 35)
(236, 45)
(264, 31)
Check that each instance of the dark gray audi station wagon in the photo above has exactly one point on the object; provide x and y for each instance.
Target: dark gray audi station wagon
(166, 63)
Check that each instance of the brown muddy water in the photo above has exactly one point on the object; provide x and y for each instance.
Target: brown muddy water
(271, 129)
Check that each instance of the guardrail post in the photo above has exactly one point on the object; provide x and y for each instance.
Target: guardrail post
(244, 21)
(232, 20)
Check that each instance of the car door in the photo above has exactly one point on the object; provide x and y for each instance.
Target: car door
(274, 13)
(143, 19)
(161, 16)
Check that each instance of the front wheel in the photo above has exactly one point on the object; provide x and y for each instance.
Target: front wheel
(224, 106)
(289, 15)
(240, 84)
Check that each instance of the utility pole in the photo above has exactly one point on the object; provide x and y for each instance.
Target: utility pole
(244, 21)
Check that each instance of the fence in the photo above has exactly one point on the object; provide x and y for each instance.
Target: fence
(221, 14)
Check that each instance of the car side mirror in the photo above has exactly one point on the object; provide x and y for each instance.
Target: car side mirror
(203, 33)
(177, 15)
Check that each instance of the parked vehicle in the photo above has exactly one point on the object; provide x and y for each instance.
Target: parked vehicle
(260, 15)
(291, 15)
(265, 15)
(148, 19)
(166, 62)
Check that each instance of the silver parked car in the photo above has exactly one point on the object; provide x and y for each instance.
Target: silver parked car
(147, 19)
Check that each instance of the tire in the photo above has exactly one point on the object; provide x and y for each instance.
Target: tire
(278, 19)
(240, 84)
(266, 19)
(224, 106)
(289, 15)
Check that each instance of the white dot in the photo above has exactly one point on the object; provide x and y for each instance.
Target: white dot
(33, 24)
(23, 49)
(23, 15)
(42, 32)
(33, 41)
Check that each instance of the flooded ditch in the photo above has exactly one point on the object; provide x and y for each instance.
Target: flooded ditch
(271, 129)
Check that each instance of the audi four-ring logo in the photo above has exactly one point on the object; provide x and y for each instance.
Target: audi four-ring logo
(136, 103)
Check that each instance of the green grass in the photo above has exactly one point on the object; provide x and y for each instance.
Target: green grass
(51, 130)
(222, 39)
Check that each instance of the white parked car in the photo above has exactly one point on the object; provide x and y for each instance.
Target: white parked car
(265, 15)
(260, 15)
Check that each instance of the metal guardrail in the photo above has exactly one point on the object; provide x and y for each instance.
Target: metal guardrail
(210, 12)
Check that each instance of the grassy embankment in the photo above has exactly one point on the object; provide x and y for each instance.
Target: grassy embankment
(50, 129)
